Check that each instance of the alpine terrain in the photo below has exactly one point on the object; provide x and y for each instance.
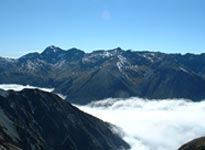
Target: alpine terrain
(35, 120)
(84, 77)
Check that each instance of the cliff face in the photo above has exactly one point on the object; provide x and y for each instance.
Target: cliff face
(37, 120)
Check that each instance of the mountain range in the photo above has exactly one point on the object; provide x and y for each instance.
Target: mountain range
(117, 73)
(35, 120)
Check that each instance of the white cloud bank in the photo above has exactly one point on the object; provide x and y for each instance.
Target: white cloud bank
(17, 87)
(147, 125)
(152, 125)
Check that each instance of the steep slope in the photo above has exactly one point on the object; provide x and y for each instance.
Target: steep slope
(172, 80)
(33, 119)
(84, 77)
(194, 62)
(197, 144)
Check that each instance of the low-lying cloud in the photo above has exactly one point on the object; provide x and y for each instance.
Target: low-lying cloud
(152, 125)
(146, 124)
(17, 87)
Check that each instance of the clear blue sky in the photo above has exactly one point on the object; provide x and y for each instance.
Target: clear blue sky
(172, 26)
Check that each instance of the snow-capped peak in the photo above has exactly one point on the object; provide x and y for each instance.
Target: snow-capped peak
(51, 49)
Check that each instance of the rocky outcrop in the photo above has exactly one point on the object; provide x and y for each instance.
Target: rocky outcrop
(35, 120)
(197, 144)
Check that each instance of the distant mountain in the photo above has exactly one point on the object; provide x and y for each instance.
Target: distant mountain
(84, 77)
(197, 144)
(35, 120)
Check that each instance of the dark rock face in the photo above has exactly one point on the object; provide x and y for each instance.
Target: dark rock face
(197, 144)
(84, 77)
(32, 119)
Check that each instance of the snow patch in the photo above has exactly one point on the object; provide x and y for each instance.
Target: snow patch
(31, 66)
(121, 63)
(183, 69)
(149, 57)
(95, 56)
(53, 49)
(107, 54)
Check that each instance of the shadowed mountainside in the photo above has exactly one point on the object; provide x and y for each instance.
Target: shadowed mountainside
(197, 144)
(33, 119)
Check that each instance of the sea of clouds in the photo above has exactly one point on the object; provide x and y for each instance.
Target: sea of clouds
(152, 125)
(146, 124)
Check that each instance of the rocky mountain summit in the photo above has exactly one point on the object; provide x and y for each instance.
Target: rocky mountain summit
(84, 77)
(35, 120)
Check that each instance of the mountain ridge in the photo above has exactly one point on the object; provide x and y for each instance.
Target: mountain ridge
(196, 144)
(84, 77)
(33, 119)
